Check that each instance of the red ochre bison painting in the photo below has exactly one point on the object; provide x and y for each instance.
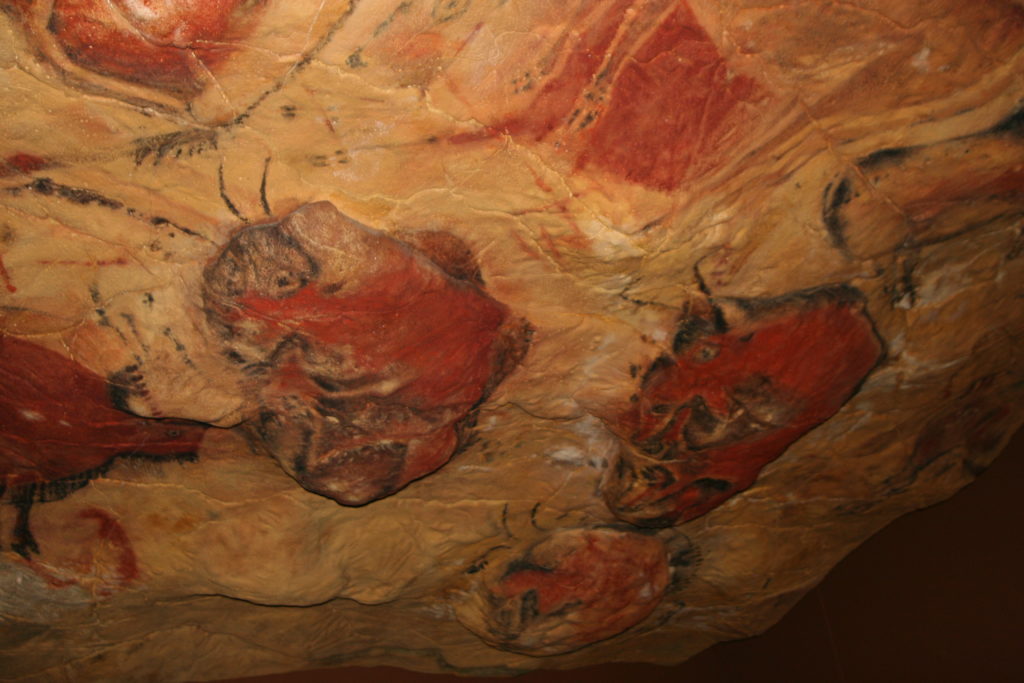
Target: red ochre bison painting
(735, 393)
(60, 427)
(572, 588)
(367, 356)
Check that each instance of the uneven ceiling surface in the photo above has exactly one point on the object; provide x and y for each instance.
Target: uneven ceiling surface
(485, 336)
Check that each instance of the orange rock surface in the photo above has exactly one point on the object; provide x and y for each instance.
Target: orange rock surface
(480, 335)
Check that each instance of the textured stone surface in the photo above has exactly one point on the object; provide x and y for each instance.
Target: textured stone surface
(484, 335)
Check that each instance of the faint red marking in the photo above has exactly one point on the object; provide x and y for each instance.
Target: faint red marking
(710, 418)
(539, 182)
(528, 247)
(6, 277)
(420, 46)
(577, 240)
(120, 261)
(558, 96)
(110, 530)
(1000, 183)
(469, 38)
(57, 419)
(975, 428)
(551, 249)
(43, 573)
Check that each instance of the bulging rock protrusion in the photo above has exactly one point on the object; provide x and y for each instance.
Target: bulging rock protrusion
(364, 357)
(573, 588)
(733, 395)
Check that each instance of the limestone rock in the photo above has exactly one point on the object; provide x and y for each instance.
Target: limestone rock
(485, 336)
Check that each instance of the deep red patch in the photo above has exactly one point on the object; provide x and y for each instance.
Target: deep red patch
(643, 93)
(25, 163)
(162, 43)
(57, 419)
(709, 418)
(441, 336)
(674, 107)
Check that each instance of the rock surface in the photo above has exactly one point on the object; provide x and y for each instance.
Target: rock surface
(485, 336)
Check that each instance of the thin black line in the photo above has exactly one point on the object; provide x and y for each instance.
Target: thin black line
(836, 196)
(224, 194)
(86, 197)
(263, 188)
(296, 68)
(504, 521)
(160, 220)
(701, 284)
(140, 155)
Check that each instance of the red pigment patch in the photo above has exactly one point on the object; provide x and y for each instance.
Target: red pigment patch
(162, 43)
(1007, 184)
(708, 419)
(25, 163)
(57, 419)
(572, 589)
(110, 531)
(6, 277)
(99, 556)
(970, 434)
(644, 94)
(441, 336)
(675, 106)
(51, 580)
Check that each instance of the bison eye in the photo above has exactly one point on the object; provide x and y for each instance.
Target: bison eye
(705, 353)
(286, 283)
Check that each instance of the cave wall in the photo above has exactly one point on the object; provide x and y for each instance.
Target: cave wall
(485, 336)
